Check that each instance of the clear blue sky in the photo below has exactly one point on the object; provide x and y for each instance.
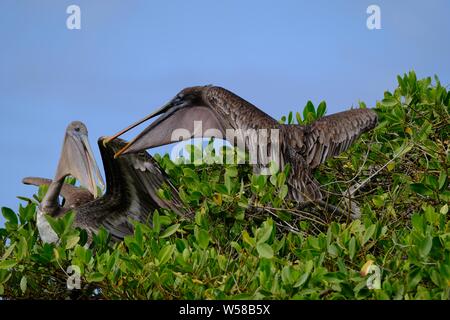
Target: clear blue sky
(132, 56)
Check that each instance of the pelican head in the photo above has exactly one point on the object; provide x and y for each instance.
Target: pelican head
(77, 159)
(170, 115)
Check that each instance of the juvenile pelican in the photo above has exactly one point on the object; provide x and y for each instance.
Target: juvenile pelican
(304, 147)
(132, 184)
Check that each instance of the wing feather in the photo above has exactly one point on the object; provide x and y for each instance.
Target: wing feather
(333, 134)
(73, 196)
(133, 181)
(149, 177)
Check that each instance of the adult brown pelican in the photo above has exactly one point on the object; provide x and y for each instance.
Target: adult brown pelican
(304, 147)
(132, 184)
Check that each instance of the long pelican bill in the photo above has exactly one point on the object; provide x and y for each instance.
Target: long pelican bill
(152, 115)
(177, 114)
(77, 160)
(94, 171)
(133, 142)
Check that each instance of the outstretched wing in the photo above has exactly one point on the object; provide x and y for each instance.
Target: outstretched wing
(333, 134)
(73, 196)
(149, 179)
(133, 183)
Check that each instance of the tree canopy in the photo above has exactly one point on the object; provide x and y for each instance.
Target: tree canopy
(248, 241)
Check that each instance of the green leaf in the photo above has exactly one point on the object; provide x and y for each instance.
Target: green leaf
(301, 280)
(161, 194)
(283, 191)
(424, 131)
(442, 180)
(228, 184)
(136, 249)
(352, 247)
(425, 246)
(170, 231)
(379, 200)
(231, 171)
(247, 239)
(9, 250)
(10, 216)
(369, 233)
(23, 284)
(180, 245)
(414, 277)
(7, 264)
(56, 224)
(165, 253)
(5, 275)
(321, 109)
(421, 189)
(417, 222)
(431, 181)
(445, 195)
(333, 250)
(72, 241)
(286, 275)
(202, 237)
(290, 118)
(265, 250)
(389, 102)
(309, 111)
(68, 219)
(308, 268)
(156, 222)
(95, 277)
(165, 220)
(190, 173)
(264, 232)
(261, 181)
(138, 236)
(27, 213)
(22, 248)
(101, 239)
(281, 179)
(299, 118)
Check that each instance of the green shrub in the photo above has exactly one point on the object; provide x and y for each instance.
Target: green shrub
(247, 241)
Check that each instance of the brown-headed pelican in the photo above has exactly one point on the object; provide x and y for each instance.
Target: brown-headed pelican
(132, 184)
(304, 147)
